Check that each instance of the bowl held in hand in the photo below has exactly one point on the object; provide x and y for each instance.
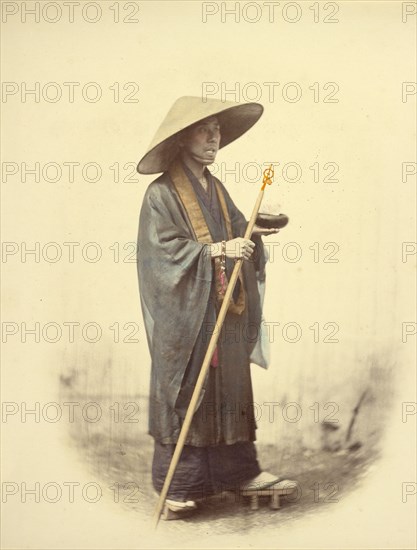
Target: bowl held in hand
(272, 221)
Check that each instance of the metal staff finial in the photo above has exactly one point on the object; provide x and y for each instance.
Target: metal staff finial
(268, 175)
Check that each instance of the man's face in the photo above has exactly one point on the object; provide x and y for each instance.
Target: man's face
(201, 141)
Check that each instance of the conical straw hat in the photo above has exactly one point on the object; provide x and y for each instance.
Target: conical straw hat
(234, 118)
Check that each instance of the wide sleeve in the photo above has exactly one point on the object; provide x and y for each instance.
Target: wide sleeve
(175, 274)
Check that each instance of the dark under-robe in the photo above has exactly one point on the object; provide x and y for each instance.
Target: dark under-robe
(177, 290)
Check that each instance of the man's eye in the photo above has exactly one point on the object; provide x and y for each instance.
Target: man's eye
(205, 129)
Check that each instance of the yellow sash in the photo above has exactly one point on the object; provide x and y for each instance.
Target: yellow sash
(201, 231)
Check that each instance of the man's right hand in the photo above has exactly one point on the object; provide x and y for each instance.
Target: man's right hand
(235, 248)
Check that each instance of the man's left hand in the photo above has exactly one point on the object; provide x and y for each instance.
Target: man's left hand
(263, 232)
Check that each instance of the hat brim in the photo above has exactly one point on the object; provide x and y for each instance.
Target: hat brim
(234, 122)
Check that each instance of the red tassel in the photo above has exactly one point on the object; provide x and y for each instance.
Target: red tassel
(215, 358)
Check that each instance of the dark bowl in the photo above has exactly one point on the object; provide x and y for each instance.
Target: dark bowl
(272, 221)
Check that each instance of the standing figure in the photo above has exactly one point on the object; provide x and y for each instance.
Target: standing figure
(190, 233)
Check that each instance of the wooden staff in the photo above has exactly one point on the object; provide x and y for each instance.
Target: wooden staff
(267, 179)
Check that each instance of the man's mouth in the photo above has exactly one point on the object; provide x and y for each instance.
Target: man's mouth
(211, 150)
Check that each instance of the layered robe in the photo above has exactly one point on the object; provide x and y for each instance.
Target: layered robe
(179, 288)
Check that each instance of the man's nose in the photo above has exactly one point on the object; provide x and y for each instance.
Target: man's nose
(212, 135)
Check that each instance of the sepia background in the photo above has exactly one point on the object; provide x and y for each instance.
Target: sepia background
(336, 408)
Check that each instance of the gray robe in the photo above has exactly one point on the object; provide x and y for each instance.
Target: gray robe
(177, 291)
